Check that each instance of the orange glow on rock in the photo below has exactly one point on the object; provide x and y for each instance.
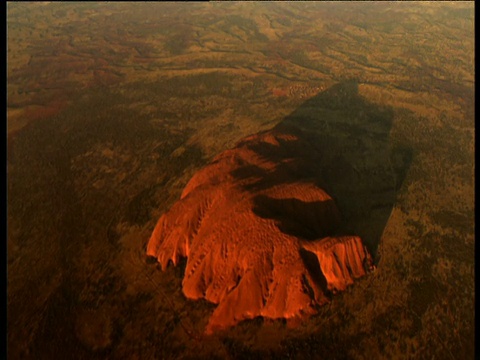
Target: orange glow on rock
(260, 235)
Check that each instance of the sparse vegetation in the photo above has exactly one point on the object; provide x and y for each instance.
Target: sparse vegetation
(113, 106)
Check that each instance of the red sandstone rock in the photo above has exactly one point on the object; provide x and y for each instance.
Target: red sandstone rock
(259, 234)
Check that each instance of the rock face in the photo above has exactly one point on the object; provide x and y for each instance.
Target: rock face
(261, 236)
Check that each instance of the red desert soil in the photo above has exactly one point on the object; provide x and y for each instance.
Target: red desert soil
(261, 237)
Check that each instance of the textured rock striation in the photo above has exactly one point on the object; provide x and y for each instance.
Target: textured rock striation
(261, 236)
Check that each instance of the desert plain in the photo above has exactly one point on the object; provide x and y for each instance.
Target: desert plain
(113, 107)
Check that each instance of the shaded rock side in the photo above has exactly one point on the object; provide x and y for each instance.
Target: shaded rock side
(260, 235)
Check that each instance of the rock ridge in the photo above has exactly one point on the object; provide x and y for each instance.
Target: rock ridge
(261, 236)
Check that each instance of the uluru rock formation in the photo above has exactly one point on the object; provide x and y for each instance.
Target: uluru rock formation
(261, 235)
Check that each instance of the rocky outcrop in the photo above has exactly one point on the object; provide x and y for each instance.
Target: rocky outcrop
(261, 236)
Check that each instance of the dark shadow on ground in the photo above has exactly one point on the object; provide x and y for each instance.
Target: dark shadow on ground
(347, 152)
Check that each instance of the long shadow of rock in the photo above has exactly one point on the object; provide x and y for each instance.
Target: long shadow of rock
(347, 152)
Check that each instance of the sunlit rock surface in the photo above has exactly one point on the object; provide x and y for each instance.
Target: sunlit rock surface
(261, 236)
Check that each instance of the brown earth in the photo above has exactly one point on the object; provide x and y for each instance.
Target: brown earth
(112, 107)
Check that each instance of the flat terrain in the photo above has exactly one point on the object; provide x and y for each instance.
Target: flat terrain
(112, 107)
